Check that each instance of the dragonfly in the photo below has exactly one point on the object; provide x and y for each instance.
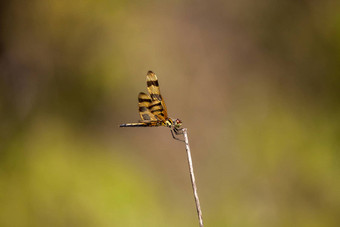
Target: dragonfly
(152, 109)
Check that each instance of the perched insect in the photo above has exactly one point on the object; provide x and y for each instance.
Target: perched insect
(152, 109)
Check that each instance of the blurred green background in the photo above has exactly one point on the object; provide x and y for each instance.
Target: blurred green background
(257, 84)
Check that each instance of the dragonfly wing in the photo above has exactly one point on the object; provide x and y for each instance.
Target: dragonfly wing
(157, 106)
(144, 102)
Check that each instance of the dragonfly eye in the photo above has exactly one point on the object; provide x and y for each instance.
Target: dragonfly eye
(178, 123)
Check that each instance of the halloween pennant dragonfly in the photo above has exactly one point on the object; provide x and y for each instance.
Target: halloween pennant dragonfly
(152, 109)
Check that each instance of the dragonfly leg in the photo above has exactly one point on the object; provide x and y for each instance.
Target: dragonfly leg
(178, 131)
(173, 136)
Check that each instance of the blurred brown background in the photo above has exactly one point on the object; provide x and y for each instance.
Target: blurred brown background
(255, 82)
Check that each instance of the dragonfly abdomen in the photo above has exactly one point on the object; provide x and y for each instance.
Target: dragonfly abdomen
(149, 124)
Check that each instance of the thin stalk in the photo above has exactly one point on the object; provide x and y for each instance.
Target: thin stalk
(192, 176)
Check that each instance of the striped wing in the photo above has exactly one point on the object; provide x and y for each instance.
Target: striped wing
(144, 102)
(157, 107)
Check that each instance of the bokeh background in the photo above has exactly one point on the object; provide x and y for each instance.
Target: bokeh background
(255, 82)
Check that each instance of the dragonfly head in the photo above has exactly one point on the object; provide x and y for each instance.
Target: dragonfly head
(177, 123)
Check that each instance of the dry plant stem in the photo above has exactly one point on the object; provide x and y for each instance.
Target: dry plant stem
(192, 176)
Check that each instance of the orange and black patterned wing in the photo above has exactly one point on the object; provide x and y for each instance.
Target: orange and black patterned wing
(157, 107)
(144, 102)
